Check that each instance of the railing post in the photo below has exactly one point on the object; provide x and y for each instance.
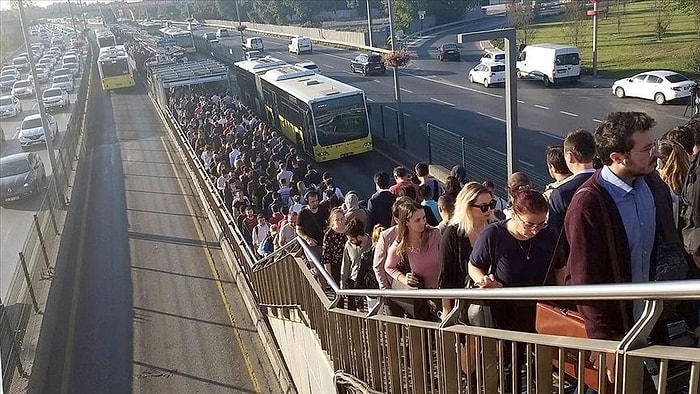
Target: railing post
(430, 144)
(381, 117)
(15, 344)
(29, 282)
(41, 241)
(464, 158)
(53, 217)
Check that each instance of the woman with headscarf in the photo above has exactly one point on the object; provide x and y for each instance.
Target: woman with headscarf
(352, 208)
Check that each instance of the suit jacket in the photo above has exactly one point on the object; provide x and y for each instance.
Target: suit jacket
(379, 210)
(589, 260)
(560, 198)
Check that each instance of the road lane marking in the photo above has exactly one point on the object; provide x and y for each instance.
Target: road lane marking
(551, 135)
(336, 56)
(541, 106)
(377, 81)
(442, 102)
(327, 65)
(215, 272)
(492, 117)
(453, 85)
(521, 102)
(569, 114)
(68, 357)
(498, 152)
(597, 120)
(406, 90)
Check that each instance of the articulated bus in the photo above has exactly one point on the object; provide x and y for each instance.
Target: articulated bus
(183, 38)
(105, 38)
(115, 68)
(326, 118)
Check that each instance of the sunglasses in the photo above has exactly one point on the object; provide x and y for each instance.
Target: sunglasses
(485, 207)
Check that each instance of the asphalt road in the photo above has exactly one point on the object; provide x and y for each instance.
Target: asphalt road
(141, 301)
(16, 216)
(439, 93)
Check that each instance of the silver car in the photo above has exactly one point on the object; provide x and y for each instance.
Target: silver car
(23, 88)
(64, 82)
(10, 106)
(6, 82)
(54, 98)
(21, 175)
(31, 132)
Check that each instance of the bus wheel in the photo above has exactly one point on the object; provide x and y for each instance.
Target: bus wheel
(547, 82)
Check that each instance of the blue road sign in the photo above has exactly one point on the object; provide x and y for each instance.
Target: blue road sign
(165, 43)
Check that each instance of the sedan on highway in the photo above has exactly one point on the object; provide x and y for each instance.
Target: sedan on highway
(23, 88)
(31, 132)
(660, 85)
(368, 63)
(6, 82)
(21, 175)
(10, 106)
(64, 82)
(449, 51)
(48, 61)
(309, 65)
(42, 74)
(488, 73)
(55, 98)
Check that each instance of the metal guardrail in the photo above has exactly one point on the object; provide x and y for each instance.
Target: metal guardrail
(35, 266)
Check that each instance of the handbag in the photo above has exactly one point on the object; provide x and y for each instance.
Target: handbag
(478, 314)
(555, 319)
(407, 305)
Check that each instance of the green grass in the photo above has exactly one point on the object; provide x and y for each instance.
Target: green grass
(636, 48)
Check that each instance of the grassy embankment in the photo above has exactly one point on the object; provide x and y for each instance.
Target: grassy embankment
(635, 48)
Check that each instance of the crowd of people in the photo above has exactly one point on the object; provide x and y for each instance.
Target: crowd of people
(622, 207)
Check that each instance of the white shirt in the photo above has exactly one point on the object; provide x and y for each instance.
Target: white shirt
(260, 233)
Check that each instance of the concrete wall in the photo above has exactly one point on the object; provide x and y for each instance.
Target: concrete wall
(301, 348)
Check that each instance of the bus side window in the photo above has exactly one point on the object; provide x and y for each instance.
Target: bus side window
(309, 132)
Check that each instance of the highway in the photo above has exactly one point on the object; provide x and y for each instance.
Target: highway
(16, 216)
(439, 93)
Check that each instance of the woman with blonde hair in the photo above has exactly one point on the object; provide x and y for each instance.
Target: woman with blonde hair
(413, 259)
(674, 164)
(473, 211)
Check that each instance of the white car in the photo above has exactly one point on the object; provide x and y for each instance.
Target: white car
(660, 86)
(64, 82)
(42, 74)
(10, 70)
(23, 87)
(48, 61)
(55, 97)
(31, 131)
(309, 65)
(488, 73)
(10, 106)
(494, 55)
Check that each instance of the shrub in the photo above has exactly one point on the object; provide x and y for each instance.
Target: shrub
(398, 58)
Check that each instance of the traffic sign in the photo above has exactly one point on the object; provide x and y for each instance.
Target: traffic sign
(165, 43)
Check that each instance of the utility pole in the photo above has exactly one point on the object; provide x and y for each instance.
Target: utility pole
(397, 86)
(72, 19)
(369, 23)
(595, 13)
(42, 111)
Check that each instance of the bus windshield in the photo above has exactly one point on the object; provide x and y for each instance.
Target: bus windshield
(340, 119)
(113, 68)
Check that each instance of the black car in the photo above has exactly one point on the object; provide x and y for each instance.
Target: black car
(21, 175)
(449, 51)
(368, 63)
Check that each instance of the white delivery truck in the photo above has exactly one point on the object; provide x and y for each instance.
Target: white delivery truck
(253, 44)
(552, 63)
(300, 44)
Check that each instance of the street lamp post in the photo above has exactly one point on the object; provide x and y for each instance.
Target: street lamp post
(369, 23)
(42, 111)
(595, 13)
(397, 86)
(72, 19)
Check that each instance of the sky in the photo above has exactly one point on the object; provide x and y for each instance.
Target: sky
(5, 4)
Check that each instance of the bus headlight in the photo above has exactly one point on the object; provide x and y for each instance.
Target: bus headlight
(368, 144)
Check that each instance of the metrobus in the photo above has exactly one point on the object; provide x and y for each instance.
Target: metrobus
(115, 68)
(105, 38)
(151, 27)
(326, 118)
(183, 38)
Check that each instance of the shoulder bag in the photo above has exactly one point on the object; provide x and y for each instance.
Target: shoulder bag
(555, 319)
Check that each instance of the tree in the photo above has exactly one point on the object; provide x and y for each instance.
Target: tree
(445, 11)
(692, 6)
(520, 17)
(574, 21)
(662, 17)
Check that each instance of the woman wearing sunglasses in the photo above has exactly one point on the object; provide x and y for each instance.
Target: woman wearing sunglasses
(513, 253)
(473, 211)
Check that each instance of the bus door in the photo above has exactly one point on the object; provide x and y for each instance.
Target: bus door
(275, 111)
(309, 134)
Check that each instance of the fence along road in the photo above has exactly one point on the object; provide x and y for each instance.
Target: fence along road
(141, 301)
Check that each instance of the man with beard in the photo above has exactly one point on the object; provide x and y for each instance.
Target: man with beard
(614, 221)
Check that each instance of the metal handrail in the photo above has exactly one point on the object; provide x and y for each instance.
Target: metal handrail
(670, 290)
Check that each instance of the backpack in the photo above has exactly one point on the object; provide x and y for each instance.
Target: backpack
(366, 278)
(266, 246)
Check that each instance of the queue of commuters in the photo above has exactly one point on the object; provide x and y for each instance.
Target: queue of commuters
(623, 207)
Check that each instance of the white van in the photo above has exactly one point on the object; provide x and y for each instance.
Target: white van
(300, 44)
(253, 44)
(552, 63)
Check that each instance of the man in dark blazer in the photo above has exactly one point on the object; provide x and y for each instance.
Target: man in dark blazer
(379, 205)
(579, 151)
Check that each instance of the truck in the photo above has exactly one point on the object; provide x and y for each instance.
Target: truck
(552, 63)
